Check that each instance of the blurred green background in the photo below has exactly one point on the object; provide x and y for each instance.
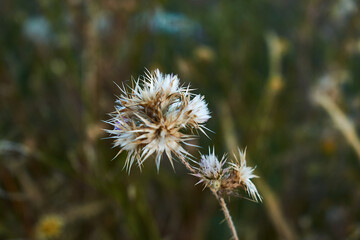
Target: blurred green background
(281, 77)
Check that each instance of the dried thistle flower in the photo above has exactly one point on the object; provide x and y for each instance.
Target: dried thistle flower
(211, 170)
(152, 116)
(226, 180)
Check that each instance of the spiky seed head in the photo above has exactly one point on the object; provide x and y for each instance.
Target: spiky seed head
(227, 179)
(210, 170)
(151, 118)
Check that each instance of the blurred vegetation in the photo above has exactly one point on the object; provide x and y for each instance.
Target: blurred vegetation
(281, 77)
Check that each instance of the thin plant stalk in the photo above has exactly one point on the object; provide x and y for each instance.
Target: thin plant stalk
(187, 165)
(221, 202)
(227, 214)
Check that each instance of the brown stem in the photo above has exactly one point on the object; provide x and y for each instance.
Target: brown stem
(221, 202)
(187, 165)
(227, 214)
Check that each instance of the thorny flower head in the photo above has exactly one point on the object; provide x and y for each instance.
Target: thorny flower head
(152, 116)
(210, 170)
(226, 180)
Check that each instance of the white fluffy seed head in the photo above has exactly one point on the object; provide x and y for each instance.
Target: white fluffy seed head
(151, 117)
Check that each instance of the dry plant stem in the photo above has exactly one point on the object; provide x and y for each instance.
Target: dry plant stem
(187, 165)
(227, 214)
(221, 202)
